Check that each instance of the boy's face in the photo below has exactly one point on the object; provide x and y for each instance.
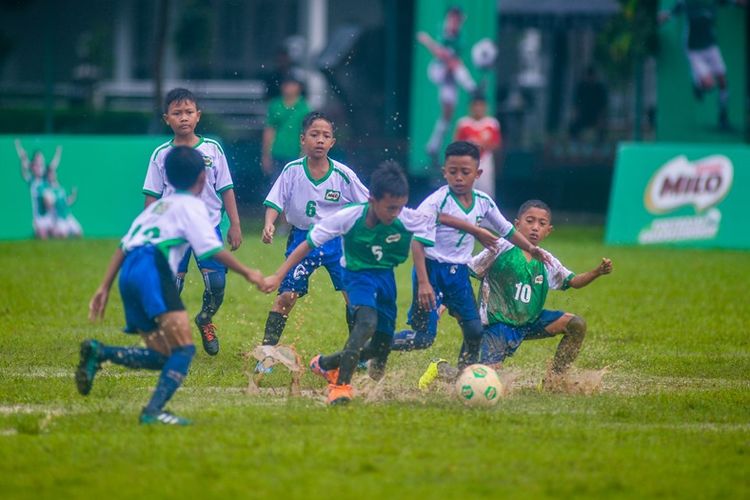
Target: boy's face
(478, 109)
(290, 89)
(182, 117)
(535, 223)
(461, 172)
(318, 139)
(388, 207)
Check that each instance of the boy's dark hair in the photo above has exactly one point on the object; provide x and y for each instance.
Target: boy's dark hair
(183, 165)
(310, 117)
(390, 179)
(533, 204)
(462, 148)
(179, 95)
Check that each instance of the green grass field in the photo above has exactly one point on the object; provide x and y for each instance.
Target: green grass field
(671, 418)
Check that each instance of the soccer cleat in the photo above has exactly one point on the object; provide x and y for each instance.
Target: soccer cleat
(331, 376)
(339, 394)
(87, 366)
(430, 374)
(163, 418)
(209, 338)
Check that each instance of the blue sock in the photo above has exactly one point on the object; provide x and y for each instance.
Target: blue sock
(133, 357)
(174, 372)
(407, 340)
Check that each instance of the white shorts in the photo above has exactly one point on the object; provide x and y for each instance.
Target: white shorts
(68, 226)
(706, 63)
(43, 223)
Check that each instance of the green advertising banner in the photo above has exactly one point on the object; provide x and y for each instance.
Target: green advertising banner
(703, 47)
(454, 55)
(680, 194)
(95, 187)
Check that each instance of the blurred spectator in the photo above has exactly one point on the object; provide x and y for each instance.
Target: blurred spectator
(281, 136)
(589, 106)
(484, 131)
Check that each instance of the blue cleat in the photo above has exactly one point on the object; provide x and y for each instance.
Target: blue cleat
(87, 366)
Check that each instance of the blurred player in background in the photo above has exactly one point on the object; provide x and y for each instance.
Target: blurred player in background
(182, 114)
(706, 63)
(148, 258)
(58, 203)
(447, 71)
(484, 131)
(512, 296)
(33, 172)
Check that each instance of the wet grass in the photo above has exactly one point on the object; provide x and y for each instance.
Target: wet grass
(670, 419)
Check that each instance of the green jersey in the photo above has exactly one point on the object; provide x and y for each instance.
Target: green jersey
(287, 121)
(515, 288)
(60, 197)
(378, 247)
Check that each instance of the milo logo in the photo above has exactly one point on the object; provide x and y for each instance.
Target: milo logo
(479, 372)
(332, 195)
(702, 183)
(467, 392)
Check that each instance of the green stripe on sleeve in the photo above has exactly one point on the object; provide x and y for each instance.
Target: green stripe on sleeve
(151, 193)
(310, 241)
(271, 204)
(210, 253)
(225, 188)
(510, 233)
(566, 282)
(425, 241)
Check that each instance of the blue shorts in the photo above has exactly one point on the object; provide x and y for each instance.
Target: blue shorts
(328, 255)
(210, 263)
(374, 288)
(147, 289)
(452, 288)
(501, 339)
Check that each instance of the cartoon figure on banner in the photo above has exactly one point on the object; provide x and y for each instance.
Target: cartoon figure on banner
(703, 53)
(448, 72)
(51, 217)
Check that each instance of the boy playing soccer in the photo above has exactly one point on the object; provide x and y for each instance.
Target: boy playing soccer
(447, 261)
(308, 190)
(376, 236)
(514, 288)
(182, 114)
(149, 255)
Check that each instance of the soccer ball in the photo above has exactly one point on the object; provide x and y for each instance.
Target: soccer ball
(483, 53)
(479, 385)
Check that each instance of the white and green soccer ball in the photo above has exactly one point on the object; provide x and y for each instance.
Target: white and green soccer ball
(484, 53)
(479, 385)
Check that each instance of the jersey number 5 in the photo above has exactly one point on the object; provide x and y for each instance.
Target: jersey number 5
(377, 251)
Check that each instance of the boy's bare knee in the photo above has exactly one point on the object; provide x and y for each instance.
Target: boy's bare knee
(576, 326)
(284, 302)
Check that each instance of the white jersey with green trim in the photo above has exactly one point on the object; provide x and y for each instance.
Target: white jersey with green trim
(306, 201)
(454, 246)
(379, 247)
(218, 177)
(172, 224)
(514, 287)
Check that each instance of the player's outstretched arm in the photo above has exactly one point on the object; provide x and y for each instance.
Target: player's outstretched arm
(268, 225)
(273, 281)
(520, 241)
(483, 236)
(56, 159)
(425, 292)
(98, 302)
(581, 280)
(252, 275)
(234, 234)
